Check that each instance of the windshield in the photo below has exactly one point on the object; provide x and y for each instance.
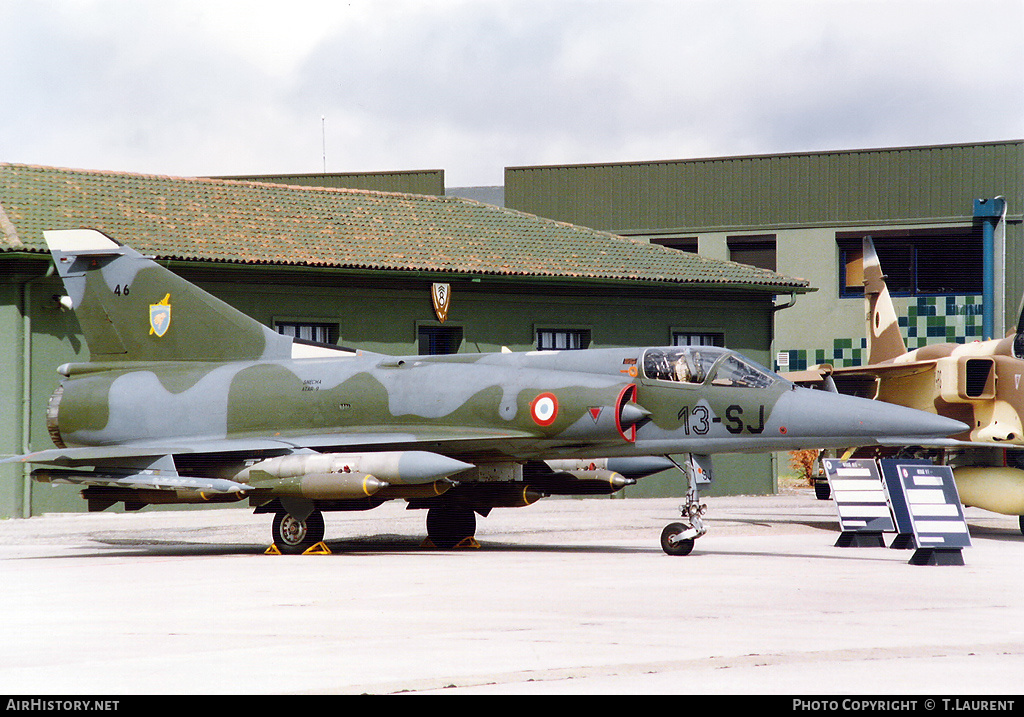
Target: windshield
(734, 371)
(685, 364)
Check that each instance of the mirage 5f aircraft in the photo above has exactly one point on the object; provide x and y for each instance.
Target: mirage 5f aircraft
(187, 400)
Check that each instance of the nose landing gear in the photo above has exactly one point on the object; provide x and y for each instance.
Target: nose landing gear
(678, 538)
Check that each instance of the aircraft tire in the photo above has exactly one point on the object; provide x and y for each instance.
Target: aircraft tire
(683, 547)
(294, 536)
(822, 490)
(447, 527)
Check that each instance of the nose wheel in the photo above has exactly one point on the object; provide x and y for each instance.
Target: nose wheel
(678, 538)
(673, 541)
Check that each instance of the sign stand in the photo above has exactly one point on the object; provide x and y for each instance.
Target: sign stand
(924, 497)
(937, 556)
(860, 539)
(904, 539)
(915, 498)
(860, 500)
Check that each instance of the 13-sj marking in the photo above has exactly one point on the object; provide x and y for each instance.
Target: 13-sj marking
(699, 419)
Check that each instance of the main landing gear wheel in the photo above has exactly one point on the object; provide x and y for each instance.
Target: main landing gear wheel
(293, 536)
(672, 544)
(447, 527)
(822, 490)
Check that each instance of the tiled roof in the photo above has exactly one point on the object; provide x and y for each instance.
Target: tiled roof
(257, 223)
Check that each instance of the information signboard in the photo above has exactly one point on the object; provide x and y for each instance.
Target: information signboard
(934, 512)
(860, 500)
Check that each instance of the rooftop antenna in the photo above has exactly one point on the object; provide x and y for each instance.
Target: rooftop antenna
(323, 139)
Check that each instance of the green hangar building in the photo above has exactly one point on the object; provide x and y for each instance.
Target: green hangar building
(579, 256)
(932, 211)
(356, 267)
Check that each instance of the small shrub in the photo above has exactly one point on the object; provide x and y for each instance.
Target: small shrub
(804, 463)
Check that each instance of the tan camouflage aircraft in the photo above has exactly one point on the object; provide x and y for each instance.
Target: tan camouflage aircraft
(978, 383)
(187, 400)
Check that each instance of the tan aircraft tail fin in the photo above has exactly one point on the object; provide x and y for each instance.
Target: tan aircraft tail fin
(885, 342)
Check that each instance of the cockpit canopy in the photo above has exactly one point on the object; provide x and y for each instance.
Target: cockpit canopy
(698, 364)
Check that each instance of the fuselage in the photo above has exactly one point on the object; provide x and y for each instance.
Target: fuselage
(606, 402)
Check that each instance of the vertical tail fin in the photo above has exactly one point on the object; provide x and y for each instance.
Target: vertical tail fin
(133, 309)
(885, 342)
(1018, 335)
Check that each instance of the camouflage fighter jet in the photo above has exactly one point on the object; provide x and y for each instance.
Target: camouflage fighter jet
(978, 383)
(187, 400)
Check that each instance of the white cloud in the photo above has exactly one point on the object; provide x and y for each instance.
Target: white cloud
(235, 86)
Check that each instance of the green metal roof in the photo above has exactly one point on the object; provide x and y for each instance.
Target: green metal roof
(259, 223)
(763, 192)
(424, 181)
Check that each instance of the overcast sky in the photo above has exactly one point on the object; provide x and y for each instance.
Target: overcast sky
(201, 87)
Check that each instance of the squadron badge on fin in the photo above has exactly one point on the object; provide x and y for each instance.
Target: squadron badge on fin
(160, 316)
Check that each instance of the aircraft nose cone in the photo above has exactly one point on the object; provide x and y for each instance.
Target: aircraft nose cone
(826, 414)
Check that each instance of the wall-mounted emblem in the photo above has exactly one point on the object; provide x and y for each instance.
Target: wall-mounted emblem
(160, 316)
(442, 296)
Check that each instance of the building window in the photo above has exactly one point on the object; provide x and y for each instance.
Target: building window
(313, 332)
(915, 262)
(680, 243)
(698, 338)
(562, 339)
(757, 250)
(434, 340)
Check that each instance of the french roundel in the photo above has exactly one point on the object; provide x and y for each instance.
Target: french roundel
(544, 409)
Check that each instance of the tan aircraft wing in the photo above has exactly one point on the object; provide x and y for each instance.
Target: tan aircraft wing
(886, 370)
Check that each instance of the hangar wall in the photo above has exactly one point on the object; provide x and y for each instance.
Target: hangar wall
(380, 314)
(803, 202)
(239, 241)
(803, 205)
(428, 181)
